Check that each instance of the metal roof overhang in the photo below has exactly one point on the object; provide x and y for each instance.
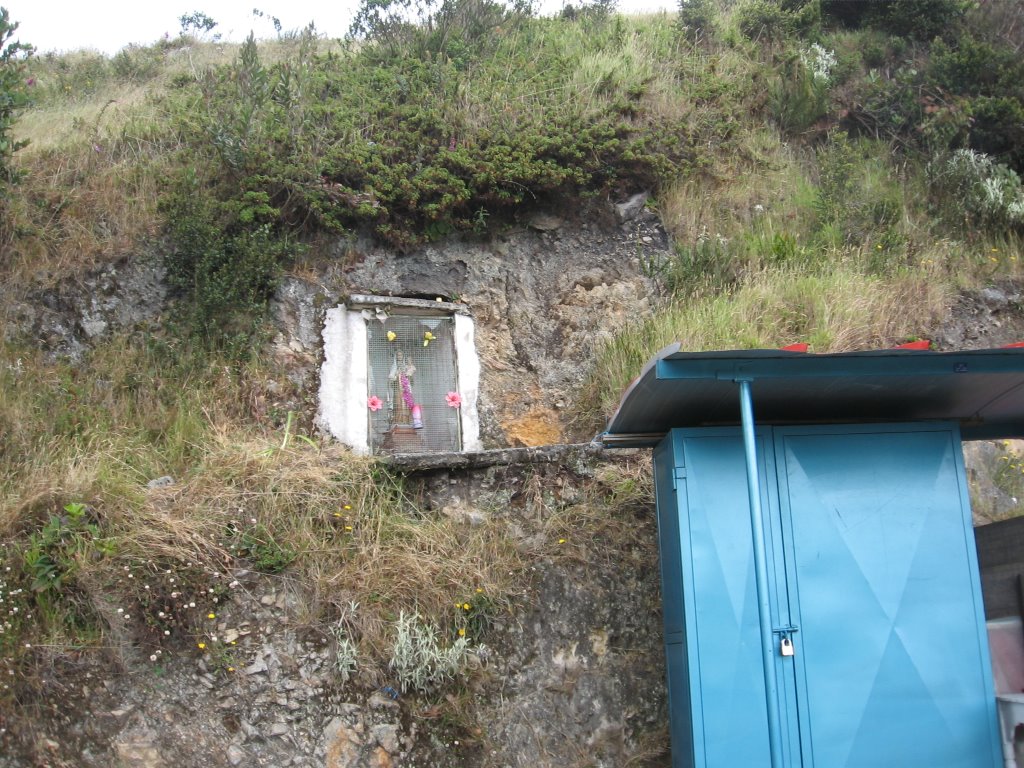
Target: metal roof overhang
(982, 390)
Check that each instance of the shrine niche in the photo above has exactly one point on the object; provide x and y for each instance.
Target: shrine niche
(400, 376)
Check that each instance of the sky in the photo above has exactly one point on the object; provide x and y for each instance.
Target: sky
(109, 25)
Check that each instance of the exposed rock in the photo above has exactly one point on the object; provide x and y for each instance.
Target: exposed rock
(66, 318)
(630, 209)
(576, 669)
(544, 299)
(139, 750)
(544, 222)
(991, 317)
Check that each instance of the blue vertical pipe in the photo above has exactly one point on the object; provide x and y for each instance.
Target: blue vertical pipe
(761, 575)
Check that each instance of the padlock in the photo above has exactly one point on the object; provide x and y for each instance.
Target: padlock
(786, 647)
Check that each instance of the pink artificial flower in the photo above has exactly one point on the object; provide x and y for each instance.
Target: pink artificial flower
(374, 403)
(454, 399)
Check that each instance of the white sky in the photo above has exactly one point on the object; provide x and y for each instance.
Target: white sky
(109, 25)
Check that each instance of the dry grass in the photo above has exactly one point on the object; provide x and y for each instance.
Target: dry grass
(839, 310)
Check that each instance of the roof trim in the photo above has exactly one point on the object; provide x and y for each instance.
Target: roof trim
(982, 390)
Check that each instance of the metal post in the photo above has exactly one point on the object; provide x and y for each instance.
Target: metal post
(761, 575)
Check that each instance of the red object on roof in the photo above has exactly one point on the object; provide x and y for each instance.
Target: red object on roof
(922, 344)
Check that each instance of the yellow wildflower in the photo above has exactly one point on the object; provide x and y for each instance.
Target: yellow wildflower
(462, 632)
(392, 335)
(201, 646)
(466, 606)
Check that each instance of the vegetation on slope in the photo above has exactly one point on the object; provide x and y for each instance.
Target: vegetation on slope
(829, 171)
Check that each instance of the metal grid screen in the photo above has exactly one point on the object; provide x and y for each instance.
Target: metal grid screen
(412, 373)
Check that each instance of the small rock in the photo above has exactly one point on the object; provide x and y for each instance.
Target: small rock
(279, 729)
(544, 222)
(379, 700)
(160, 482)
(387, 736)
(994, 296)
(256, 667)
(628, 210)
(235, 755)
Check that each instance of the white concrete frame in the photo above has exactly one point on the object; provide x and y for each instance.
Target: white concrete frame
(343, 375)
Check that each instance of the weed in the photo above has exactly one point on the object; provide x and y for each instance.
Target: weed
(421, 662)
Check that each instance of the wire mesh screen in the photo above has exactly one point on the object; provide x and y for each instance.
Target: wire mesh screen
(413, 375)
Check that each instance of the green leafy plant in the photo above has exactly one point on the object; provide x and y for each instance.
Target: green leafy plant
(264, 550)
(197, 23)
(970, 187)
(54, 552)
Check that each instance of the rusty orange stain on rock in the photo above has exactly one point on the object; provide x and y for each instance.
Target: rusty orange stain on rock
(538, 426)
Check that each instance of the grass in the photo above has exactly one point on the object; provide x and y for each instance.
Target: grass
(93, 561)
(839, 309)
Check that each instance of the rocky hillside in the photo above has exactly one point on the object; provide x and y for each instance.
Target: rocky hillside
(192, 573)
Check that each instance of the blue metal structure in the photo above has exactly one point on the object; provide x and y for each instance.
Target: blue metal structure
(821, 593)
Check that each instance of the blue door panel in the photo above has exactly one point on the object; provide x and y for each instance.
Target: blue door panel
(871, 560)
(719, 573)
(676, 662)
(894, 665)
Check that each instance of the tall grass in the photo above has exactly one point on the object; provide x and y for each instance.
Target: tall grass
(836, 310)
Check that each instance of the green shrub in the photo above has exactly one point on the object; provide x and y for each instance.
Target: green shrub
(997, 129)
(918, 19)
(799, 97)
(971, 188)
(14, 94)
(224, 262)
(774, 21)
(697, 18)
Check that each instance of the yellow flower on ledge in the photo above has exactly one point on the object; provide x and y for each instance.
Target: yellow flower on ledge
(392, 335)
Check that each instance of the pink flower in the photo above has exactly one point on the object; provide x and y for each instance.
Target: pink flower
(374, 403)
(454, 399)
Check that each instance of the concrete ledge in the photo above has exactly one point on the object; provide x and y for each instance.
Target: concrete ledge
(544, 454)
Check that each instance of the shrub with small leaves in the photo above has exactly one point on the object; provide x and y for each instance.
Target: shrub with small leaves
(14, 94)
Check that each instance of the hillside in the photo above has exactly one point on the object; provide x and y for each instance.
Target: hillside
(189, 559)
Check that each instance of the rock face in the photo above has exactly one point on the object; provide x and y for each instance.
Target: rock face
(573, 676)
(543, 298)
(65, 319)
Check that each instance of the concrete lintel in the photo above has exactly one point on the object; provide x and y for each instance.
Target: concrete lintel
(399, 303)
(544, 454)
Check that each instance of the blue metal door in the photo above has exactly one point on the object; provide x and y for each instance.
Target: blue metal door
(892, 659)
(713, 650)
(871, 578)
